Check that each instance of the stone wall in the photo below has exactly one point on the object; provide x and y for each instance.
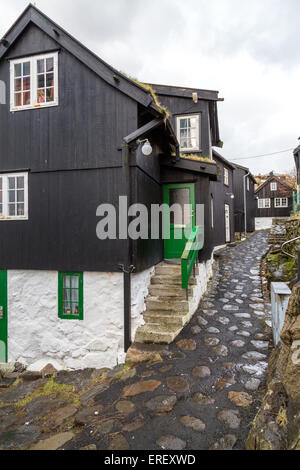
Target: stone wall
(277, 424)
(37, 336)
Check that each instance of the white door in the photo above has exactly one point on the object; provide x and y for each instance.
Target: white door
(227, 223)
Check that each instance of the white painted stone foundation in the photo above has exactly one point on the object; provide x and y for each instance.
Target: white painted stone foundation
(263, 223)
(205, 274)
(37, 336)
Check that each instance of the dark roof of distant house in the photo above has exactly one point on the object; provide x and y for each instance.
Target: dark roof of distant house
(112, 76)
(185, 92)
(218, 156)
(278, 179)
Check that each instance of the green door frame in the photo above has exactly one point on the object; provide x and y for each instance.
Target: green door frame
(3, 316)
(174, 248)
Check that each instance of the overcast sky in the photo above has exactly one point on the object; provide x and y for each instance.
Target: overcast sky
(247, 49)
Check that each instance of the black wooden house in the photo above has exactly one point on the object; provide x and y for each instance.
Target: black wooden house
(274, 198)
(72, 133)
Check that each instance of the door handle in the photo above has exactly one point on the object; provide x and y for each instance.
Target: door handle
(1, 313)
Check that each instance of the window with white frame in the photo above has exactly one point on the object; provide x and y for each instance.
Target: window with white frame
(226, 177)
(34, 82)
(13, 196)
(281, 202)
(188, 132)
(264, 203)
(274, 186)
(248, 184)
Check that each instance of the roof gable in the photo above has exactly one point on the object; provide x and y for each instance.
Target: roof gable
(32, 15)
(271, 179)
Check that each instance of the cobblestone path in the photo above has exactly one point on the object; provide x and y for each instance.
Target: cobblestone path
(203, 394)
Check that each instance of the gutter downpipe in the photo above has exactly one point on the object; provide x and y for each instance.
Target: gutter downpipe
(127, 268)
(245, 202)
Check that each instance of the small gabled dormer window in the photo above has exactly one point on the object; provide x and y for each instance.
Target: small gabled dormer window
(34, 82)
(274, 186)
(188, 133)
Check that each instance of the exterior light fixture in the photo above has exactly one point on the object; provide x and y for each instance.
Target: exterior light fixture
(147, 148)
(232, 196)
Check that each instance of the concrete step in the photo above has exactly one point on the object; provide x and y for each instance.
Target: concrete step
(168, 269)
(165, 320)
(154, 303)
(168, 291)
(171, 270)
(153, 333)
(170, 280)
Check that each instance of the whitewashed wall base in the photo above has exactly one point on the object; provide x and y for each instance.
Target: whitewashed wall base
(36, 336)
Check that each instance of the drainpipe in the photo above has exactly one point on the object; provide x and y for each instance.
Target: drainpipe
(127, 267)
(245, 202)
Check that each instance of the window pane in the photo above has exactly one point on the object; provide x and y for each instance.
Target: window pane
(75, 282)
(67, 308)
(26, 83)
(49, 79)
(26, 68)
(18, 99)
(75, 309)
(41, 96)
(26, 98)
(11, 196)
(20, 209)
(67, 281)
(40, 66)
(11, 183)
(50, 94)
(41, 81)
(18, 70)
(11, 210)
(75, 295)
(50, 65)
(18, 84)
(183, 123)
(20, 182)
(20, 196)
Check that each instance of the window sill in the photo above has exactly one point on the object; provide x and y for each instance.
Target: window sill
(10, 219)
(28, 108)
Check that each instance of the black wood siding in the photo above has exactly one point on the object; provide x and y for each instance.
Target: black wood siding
(239, 212)
(221, 195)
(64, 148)
(179, 106)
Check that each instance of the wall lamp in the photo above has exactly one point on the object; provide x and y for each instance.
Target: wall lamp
(232, 196)
(146, 149)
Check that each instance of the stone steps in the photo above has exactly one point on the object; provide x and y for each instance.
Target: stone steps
(154, 333)
(167, 310)
(167, 303)
(163, 291)
(165, 320)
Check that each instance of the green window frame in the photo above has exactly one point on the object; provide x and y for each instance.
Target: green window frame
(70, 295)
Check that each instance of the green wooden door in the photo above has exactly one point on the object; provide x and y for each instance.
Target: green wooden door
(177, 229)
(3, 316)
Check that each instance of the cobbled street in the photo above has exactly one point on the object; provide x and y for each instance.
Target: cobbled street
(203, 394)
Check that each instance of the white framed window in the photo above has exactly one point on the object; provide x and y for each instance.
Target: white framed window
(274, 186)
(264, 203)
(226, 177)
(281, 202)
(14, 196)
(34, 82)
(212, 212)
(248, 184)
(188, 133)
